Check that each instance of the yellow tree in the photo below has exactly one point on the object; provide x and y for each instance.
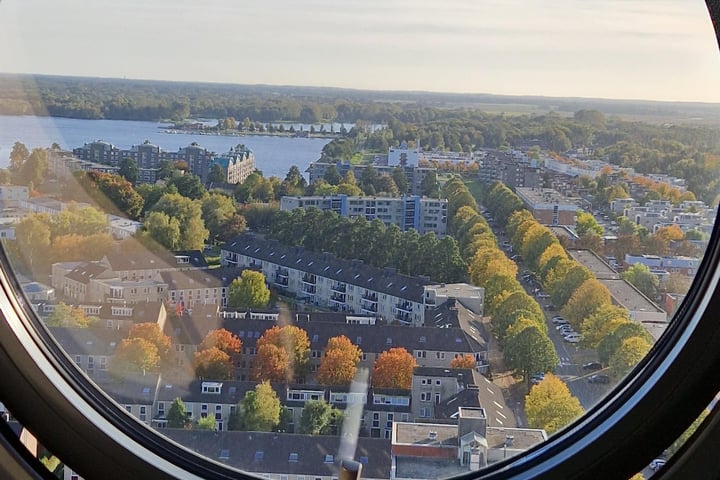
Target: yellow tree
(339, 364)
(602, 323)
(550, 406)
(393, 369)
(135, 355)
(585, 300)
(631, 351)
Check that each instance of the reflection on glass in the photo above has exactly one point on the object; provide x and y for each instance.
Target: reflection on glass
(282, 278)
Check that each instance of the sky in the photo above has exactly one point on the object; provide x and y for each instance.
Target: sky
(629, 49)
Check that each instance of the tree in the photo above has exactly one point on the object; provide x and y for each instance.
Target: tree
(188, 214)
(206, 423)
(216, 175)
(217, 210)
(401, 180)
(177, 414)
(331, 175)
(33, 234)
(315, 417)
(641, 277)
(585, 300)
(393, 369)
(164, 229)
(631, 351)
(550, 406)
(129, 170)
(34, 170)
(282, 354)
(602, 323)
(135, 355)
(152, 332)
(112, 192)
(223, 340)
(248, 291)
(213, 364)
(586, 223)
(189, 186)
(530, 351)
(339, 364)
(67, 316)
(463, 361)
(429, 185)
(261, 408)
(18, 157)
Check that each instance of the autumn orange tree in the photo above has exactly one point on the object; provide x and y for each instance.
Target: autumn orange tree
(288, 359)
(222, 339)
(393, 369)
(152, 333)
(339, 364)
(213, 364)
(464, 361)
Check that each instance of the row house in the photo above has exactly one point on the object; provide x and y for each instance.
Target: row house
(323, 280)
(146, 265)
(113, 316)
(409, 211)
(90, 348)
(432, 347)
(687, 266)
(282, 456)
(189, 288)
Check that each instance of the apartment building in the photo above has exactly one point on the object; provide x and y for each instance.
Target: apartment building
(548, 206)
(409, 211)
(323, 280)
(414, 174)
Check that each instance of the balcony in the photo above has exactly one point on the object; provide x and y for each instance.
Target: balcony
(403, 317)
(281, 281)
(337, 298)
(309, 289)
(369, 308)
(309, 279)
(404, 307)
(370, 297)
(338, 287)
(281, 272)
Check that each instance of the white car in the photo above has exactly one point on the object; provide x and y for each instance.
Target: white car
(572, 338)
(559, 321)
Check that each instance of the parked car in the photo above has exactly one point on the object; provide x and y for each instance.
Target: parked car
(563, 326)
(558, 320)
(592, 366)
(656, 464)
(550, 307)
(543, 295)
(572, 338)
(598, 379)
(537, 378)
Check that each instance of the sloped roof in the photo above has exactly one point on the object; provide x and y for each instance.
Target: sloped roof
(87, 341)
(268, 452)
(353, 272)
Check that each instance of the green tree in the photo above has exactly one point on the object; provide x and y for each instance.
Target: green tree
(550, 406)
(216, 175)
(586, 223)
(641, 277)
(315, 417)
(261, 408)
(177, 414)
(429, 185)
(18, 157)
(34, 170)
(189, 186)
(67, 316)
(530, 351)
(129, 170)
(248, 291)
(602, 323)
(33, 235)
(163, 229)
(331, 175)
(217, 210)
(188, 213)
(206, 423)
(401, 180)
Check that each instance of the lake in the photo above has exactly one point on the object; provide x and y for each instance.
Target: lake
(273, 155)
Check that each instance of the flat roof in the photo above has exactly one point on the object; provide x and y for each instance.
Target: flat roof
(630, 298)
(426, 434)
(594, 263)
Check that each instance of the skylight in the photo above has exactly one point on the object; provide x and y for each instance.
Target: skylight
(293, 457)
(259, 455)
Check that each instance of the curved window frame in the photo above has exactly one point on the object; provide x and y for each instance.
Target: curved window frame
(636, 421)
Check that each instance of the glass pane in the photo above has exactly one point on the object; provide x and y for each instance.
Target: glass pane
(453, 213)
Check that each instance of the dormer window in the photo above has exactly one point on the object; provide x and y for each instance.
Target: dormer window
(212, 387)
